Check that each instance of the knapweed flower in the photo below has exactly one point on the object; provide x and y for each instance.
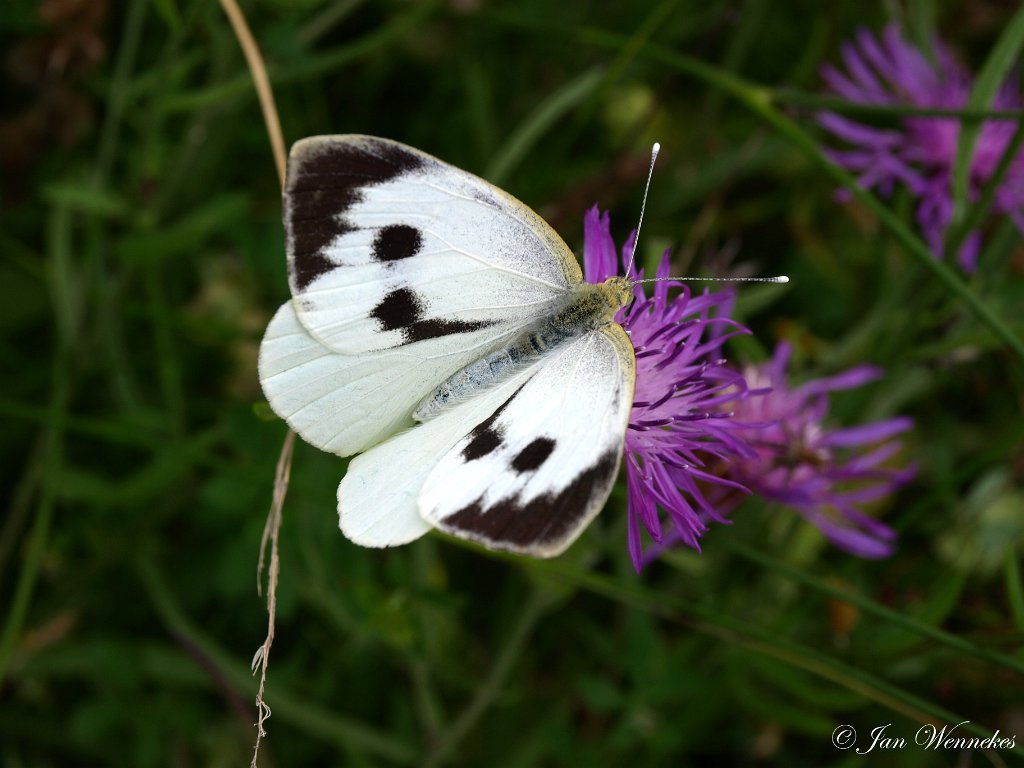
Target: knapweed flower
(824, 474)
(921, 153)
(680, 422)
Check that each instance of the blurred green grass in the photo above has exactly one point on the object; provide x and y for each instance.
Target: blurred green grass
(143, 255)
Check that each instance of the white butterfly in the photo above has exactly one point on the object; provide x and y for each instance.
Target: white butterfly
(441, 328)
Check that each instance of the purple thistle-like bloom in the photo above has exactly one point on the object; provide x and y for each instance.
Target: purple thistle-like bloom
(680, 422)
(817, 471)
(921, 154)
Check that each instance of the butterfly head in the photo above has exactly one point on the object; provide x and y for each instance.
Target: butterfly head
(612, 295)
(592, 305)
(618, 292)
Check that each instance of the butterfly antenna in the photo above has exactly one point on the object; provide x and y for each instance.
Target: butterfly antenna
(776, 279)
(632, 255)
(650, 173)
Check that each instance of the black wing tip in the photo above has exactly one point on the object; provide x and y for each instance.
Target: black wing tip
(546, 525)
(326, 177)
(392, 157)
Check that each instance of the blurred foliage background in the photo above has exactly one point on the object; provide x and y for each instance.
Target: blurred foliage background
(143, 255)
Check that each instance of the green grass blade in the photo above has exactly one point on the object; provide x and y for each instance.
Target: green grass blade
(843, 106)
(546, 115)
(1015, 588)
(118, 93)
(920, 26)
(958, 233)
(64, 305)
(490, 687)
(992, 76)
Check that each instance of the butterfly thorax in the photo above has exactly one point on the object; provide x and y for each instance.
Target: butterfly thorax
(586, 307)
(591, 305)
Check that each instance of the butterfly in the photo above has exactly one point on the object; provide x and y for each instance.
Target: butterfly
(440, 329)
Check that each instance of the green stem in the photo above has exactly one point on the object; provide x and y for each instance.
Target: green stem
(810, 660)
(33, 557)
(127, 50)
(1015, 588)
(21, 503)
(325, 21)
(843, 106)
(166, 351)
(62, 290)
(95, 428)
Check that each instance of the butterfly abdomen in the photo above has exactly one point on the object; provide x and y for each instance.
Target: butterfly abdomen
(586, 308)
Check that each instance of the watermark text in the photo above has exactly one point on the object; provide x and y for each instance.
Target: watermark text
(882, 738)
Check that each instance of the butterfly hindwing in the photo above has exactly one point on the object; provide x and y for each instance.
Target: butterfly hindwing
(389, 247)
(378, 497)
(530, 476)
(344, 403)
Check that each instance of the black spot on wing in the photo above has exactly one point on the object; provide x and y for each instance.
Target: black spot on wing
(483, 442)
(398, 311)
(402, 310)
(435, 328)
(487, 435)
(545, 521)
(533, 455)
(399, 241)
(327, 180)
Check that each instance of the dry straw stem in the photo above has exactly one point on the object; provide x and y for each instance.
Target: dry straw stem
(272, 528)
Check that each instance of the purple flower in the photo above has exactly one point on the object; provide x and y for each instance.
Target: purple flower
(921, 153)
(680, 422)
(701, 434)
(817, 471)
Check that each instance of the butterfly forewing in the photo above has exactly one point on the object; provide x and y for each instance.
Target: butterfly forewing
(403, 270)
(390, 247)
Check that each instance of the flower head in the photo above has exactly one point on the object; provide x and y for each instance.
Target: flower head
(818, 471)
(921, 153)
(680, 420)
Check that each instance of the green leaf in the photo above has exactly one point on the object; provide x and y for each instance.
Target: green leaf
(86, 198)
(187, 234)
(168, 11)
